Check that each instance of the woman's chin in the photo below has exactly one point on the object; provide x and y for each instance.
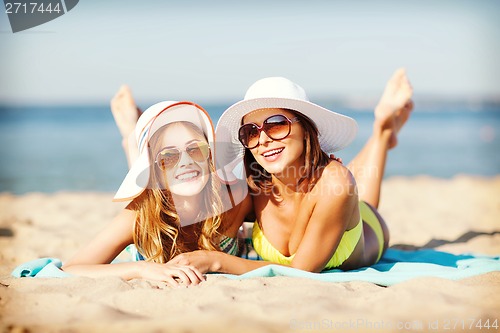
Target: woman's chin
(272, 167)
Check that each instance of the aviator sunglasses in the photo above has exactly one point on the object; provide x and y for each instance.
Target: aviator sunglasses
(167, 158)
(276, 127)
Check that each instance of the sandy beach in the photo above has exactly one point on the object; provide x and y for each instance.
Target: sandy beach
(460, 215)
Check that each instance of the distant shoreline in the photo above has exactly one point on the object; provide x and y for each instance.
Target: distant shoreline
(356, 103)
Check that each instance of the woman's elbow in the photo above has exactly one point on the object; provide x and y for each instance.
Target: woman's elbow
(307, 267)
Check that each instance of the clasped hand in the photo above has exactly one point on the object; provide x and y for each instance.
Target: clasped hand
(171, 273)
(202, 260)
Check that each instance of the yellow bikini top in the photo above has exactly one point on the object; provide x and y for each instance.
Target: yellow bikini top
(346, 246)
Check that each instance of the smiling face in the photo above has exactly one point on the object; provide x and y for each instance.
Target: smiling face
(189, 175)
(278, 156)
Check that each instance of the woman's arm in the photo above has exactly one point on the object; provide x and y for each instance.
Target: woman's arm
(108, 243)
(336, 208)
(94, 259)
(218, 262)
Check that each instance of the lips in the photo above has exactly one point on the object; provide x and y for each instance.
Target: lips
(272, 152)
(188, 175)
(272, 155)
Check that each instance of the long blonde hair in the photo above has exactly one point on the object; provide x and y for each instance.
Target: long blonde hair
(158, 229)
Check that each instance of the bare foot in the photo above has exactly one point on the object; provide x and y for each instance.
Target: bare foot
(394, 107)
(125, 111)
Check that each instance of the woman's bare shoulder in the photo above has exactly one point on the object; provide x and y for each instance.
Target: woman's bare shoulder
(337, 172)
(238, 204)
(336, 180)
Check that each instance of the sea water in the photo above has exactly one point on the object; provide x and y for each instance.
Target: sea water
(78, 148)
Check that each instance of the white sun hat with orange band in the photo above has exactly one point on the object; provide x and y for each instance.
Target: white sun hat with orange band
(151, 120)
(336, 131)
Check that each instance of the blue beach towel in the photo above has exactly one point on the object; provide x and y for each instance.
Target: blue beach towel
(395, 266)
(43, 267)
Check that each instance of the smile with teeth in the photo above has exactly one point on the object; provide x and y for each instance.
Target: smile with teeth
(273, 152)
(188, 175)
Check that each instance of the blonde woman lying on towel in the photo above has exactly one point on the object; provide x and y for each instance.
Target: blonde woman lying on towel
(177, 203)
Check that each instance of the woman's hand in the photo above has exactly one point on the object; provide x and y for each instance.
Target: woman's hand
(173, 274)
(202, 260)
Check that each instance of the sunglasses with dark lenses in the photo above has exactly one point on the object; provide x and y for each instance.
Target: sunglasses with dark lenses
(167, 158)
(276, 127)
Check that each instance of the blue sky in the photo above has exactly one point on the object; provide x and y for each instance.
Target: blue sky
(213, 50)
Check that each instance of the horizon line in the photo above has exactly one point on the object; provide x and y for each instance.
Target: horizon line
(348, 101)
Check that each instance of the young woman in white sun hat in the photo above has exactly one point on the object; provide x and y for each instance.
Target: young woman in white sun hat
(312, 213)
(177, 203)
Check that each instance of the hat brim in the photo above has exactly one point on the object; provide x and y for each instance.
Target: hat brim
(336, 131)
(136, 180)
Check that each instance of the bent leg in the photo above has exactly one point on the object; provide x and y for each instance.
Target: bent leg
(374, 240)
(368, 168)
(391, 113)
(375, 231)
(126, 113)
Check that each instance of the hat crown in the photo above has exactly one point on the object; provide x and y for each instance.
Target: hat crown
(276, 87)
(145, 120)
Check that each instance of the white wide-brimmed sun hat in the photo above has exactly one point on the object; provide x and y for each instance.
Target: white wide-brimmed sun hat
(336, 131)
(151, 120)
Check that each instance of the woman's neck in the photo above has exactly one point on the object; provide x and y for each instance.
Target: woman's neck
(289, 187)
(291, 178)
(188, 208)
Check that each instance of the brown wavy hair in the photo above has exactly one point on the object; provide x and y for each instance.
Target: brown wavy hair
(259, 180)
(157, 231)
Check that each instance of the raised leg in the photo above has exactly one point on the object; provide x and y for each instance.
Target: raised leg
(391, 113)
(126, 113)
